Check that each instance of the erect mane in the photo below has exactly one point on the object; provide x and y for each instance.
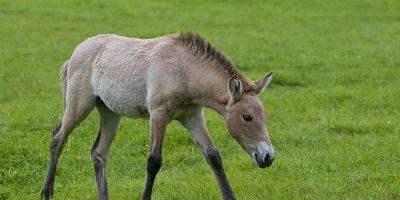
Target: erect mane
(202, 49)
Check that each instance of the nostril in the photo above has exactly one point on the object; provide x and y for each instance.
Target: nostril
(256, 155)
(266, 158)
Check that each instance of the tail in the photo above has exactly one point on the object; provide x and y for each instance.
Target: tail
(63, 77)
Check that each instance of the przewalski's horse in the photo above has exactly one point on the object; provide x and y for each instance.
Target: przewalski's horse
(163, 79)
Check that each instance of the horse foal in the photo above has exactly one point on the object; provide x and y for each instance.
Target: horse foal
(163, 79)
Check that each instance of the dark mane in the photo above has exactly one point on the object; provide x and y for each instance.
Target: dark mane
(203, 49)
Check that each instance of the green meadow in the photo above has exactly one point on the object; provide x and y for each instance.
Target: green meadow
(333, 104)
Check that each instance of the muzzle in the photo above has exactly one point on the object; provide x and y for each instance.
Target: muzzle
(264, 154)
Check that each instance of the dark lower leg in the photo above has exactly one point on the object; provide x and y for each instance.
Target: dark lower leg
(109, 123)
(99, 170)
(215, 161)
(153, 166)
(158, 123)
(47, 190)
(55, 151)
(101, 180)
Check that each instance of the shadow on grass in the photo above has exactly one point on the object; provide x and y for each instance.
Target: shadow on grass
(287, 81)
(359, 129)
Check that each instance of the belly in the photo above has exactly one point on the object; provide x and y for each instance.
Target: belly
(127, 103)
(127, 109)
(122, 91)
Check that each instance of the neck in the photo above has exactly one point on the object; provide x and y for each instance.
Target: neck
(209, 87)
(213, 94)
(211, 103)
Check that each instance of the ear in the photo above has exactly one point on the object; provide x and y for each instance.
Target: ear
(263, 83)
(235, 88)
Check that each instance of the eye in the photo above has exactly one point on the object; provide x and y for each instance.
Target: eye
(247, 118)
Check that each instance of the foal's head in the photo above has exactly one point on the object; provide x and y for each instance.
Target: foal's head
(246, 120)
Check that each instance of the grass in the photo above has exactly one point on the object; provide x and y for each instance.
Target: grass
(333, 104)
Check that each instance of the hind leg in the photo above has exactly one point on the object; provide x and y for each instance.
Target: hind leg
(77, 108)
(109, 124)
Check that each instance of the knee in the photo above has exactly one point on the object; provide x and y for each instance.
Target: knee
(98, 160)
(57, 129)
(214, 158)
(153, 164)
(55, 145)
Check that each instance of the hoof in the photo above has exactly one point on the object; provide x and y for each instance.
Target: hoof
(46, 193)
